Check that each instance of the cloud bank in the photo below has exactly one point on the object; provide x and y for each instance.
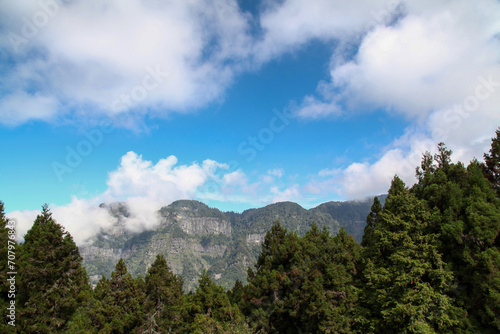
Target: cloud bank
(83, 59)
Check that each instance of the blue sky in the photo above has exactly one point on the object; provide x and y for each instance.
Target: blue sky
(236, 104)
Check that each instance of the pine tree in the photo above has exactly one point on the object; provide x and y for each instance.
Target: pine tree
(164, 298)
(492, 160)
(330, 306)
(236, 293)
(370, 222)
(52, 280)
(117, 306)
(404, 277)
(465, 215)
(209, 309)
(303, 285)
(267, 286)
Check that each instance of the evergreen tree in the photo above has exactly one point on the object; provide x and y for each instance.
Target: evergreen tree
(370, 222)
(330, 306)
(117, 306)
(492, 160)
(404, 278)
(465, 215)
(263, 298)
(236, 293)
(303, 285)
(164, 298)
(210, 311)
(52, 280)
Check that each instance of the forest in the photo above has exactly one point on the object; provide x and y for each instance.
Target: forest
(429, 262)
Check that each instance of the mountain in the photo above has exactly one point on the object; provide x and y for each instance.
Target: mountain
(193, 237)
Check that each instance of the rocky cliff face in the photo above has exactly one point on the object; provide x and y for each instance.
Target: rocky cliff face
(194, 237)
(205, 225)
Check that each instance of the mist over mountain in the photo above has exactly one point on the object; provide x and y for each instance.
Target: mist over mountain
(193, 237)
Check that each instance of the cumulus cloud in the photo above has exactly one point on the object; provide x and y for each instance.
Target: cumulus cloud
(291, 23)
(362, 179)
(91, 58)
(143, 186)
(437, 64)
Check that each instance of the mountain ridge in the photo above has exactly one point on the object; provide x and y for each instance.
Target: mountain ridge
(194, 236)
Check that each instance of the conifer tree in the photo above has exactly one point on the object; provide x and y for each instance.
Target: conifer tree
(370, 222)
(164, 298)
(303, 285)
(334, 260)
(118, 303)
(209, 309)
(52, 280)
(492, 161)
(404, 278)
(465, 217)
(236, 293)
(264, 295)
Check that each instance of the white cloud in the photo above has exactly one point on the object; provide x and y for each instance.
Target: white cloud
(291, 193)
(94, 57)
(143, 186)
(161, 182)
(439, 67)
(20, 107)
(292, 23)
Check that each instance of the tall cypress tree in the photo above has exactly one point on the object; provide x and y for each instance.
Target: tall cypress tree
(117, 306)
(210, 311)
(370, 222)
(52, 280)
(492, 160)
(303, 285)
(404, 277)
(465, 215)
(164, 298)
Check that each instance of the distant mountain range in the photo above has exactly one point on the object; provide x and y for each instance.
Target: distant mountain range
(193, 237)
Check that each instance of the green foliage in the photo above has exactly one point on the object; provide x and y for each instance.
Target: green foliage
(492, 160)
(404, 279)
(209, 309)
(163, 304)
(117, 303)
(52, 282)
(227, 254)
(465, 217)
(236, 293)
(303, 284)
(370, 222)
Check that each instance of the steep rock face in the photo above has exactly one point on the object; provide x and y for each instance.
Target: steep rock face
(205, 225)
(194, 237)
(91, 253)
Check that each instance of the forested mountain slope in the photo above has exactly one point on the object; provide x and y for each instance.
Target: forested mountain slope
(194, 237)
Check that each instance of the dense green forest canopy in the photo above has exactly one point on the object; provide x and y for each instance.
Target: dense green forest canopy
(429, 262)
